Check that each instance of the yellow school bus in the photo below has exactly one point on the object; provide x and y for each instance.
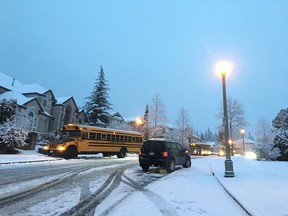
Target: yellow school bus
(200, 149)
(82, 139)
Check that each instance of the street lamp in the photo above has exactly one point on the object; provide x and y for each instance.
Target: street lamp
(242, 131)
(223, 68)
(139, 122)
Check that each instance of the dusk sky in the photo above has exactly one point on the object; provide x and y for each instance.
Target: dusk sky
(152, 46)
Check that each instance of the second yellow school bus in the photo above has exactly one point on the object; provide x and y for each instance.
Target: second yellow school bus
(82, 139)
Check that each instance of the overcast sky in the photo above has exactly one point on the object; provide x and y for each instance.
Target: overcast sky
(152, 46)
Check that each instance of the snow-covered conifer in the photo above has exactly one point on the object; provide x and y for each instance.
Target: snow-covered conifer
(12, 133)
(280, 125)
(146, 123)
(7, 109)
(97, 106)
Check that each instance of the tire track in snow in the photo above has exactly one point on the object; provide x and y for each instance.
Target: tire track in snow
(87, 206)
(163, 206)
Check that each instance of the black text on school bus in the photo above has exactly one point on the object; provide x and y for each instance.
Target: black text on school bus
(82, 139)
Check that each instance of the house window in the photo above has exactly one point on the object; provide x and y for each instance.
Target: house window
(32, 121)
(44, 103)
(67, 115)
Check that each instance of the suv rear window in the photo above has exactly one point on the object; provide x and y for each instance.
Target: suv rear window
(170, 146)
(153, 145)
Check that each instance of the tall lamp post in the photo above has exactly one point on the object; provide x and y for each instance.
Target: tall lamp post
(223, 68)
(242, 131)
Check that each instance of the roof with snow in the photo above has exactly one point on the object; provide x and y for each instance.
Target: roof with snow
(61, 100)
(33, 88)
(14, 85)
(16, 89)
(20, 98)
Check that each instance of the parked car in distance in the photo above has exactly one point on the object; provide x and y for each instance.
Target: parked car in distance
(165, 154)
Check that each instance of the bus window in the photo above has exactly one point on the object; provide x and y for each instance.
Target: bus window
(103, 137)
(121, 138)
(113, 138)
(92, 135)
(98, 136)
(117, 138)
(125, 138)
(84, 135)
(108, 136)
(71, 133)
(133, 139)
(129, 138)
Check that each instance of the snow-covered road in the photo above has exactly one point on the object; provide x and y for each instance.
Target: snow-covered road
(259, 186)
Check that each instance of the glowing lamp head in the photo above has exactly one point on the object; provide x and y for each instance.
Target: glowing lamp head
(242, 131)
(139, 121)
(223, 68)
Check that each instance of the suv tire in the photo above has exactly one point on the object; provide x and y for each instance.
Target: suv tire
(187, 163)
(145, 167)
(170, 166)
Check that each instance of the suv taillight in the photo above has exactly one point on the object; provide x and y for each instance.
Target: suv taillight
(165, 154)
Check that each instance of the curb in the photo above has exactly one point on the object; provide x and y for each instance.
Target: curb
(227, 191)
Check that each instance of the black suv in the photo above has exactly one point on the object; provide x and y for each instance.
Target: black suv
(164, 154)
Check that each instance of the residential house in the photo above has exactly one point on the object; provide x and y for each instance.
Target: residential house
(44, 111)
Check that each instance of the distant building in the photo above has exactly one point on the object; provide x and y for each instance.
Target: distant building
(249, 145)
(44, 111)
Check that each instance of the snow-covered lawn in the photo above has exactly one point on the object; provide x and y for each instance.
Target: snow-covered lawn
(260, 186)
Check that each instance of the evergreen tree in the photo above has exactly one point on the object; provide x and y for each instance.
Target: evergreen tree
(280, 125)
(12, 133)
(97, 106)
(146, 123)
(12, 126)
(7, 110)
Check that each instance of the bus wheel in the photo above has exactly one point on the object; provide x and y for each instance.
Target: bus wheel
(71, 152)
(122, 153)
